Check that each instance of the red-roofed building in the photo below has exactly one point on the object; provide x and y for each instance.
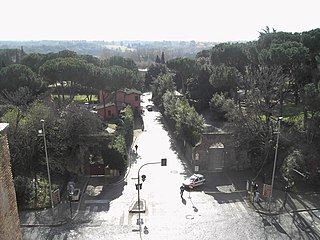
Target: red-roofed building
(124, 97)
(110, 110)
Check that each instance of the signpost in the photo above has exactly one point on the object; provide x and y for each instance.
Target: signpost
(266, 190)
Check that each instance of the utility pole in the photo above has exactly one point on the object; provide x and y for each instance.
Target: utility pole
(47, 159)
(275, 160)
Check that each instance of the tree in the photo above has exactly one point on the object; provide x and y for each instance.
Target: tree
(254, 126)
(65, 72)
(33, 61)
(127, 127)
(232, 55)
(221, 106)
(225, 79)
(23, 136)
(286, 50)
(311, 111)
(103, 83)
(292, 163)
(199, 88)
(17, 76)
(120, 78)
(162, 84)
(122, 62)
(162, 58)
(158, 59)
(188, 124)
(115, 156)
(153, 72)
(20, 87)
(184, 68)
(89, 81)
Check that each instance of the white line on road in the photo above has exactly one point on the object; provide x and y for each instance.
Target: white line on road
(234, 207)
(242, 207)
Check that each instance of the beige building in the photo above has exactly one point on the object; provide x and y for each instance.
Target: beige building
(9, 217)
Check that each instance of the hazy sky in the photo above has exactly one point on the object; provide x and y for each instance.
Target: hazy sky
(199, 20)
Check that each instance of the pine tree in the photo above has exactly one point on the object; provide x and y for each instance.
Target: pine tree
(158, 59)
(162, 58)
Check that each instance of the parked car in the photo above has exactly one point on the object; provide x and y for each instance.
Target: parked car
(194, 181)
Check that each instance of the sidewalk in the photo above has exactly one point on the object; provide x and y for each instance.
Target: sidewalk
(296, 202)
(294, 210)
(59, 215)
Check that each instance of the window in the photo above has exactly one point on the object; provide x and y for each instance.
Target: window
(197, 156)
(136, 98)
(109, 112)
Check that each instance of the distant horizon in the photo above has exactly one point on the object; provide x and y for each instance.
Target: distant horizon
(124, 40)
(150, 20)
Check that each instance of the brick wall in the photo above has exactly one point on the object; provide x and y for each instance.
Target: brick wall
(9, 217)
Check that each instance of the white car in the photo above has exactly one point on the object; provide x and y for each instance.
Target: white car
(194, 181)
(149, 108)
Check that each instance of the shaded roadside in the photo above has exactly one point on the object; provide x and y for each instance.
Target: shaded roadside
(61, 214)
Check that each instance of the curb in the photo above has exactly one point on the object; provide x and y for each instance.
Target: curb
(57, 224)
(218, 192)
(268, 213)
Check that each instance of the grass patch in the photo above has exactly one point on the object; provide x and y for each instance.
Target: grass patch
(83, 98)
(78, 98)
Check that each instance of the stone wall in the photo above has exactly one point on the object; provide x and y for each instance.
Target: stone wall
(217, 151)
(9, 217)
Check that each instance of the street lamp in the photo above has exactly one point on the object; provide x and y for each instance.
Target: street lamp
(138, 186)
(275, 158)
(43, 134)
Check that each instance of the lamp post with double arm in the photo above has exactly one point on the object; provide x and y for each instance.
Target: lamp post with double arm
(139, 186)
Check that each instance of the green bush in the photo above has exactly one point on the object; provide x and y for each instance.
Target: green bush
(24, 190)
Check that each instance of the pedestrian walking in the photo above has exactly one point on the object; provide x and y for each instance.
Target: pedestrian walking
(255, 192)
(181, 191)
(285, 196)
(257, 197)
(136, 147)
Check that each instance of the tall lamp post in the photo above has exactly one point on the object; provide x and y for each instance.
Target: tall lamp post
(43, 134)
(275, 159)
(138, 186)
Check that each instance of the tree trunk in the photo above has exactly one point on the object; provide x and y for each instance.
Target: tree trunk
(115, 102)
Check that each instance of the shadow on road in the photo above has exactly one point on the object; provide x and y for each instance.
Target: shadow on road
(104, 193)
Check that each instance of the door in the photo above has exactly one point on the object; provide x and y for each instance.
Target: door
(216, 159)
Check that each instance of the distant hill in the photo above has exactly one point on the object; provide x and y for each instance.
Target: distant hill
(142, 52)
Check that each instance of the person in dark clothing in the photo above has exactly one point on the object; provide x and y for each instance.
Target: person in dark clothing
(181, 191)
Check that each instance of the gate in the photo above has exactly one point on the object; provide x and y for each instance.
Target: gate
(216, 158)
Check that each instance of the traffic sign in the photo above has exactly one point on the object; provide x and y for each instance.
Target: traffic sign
(266, 190)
